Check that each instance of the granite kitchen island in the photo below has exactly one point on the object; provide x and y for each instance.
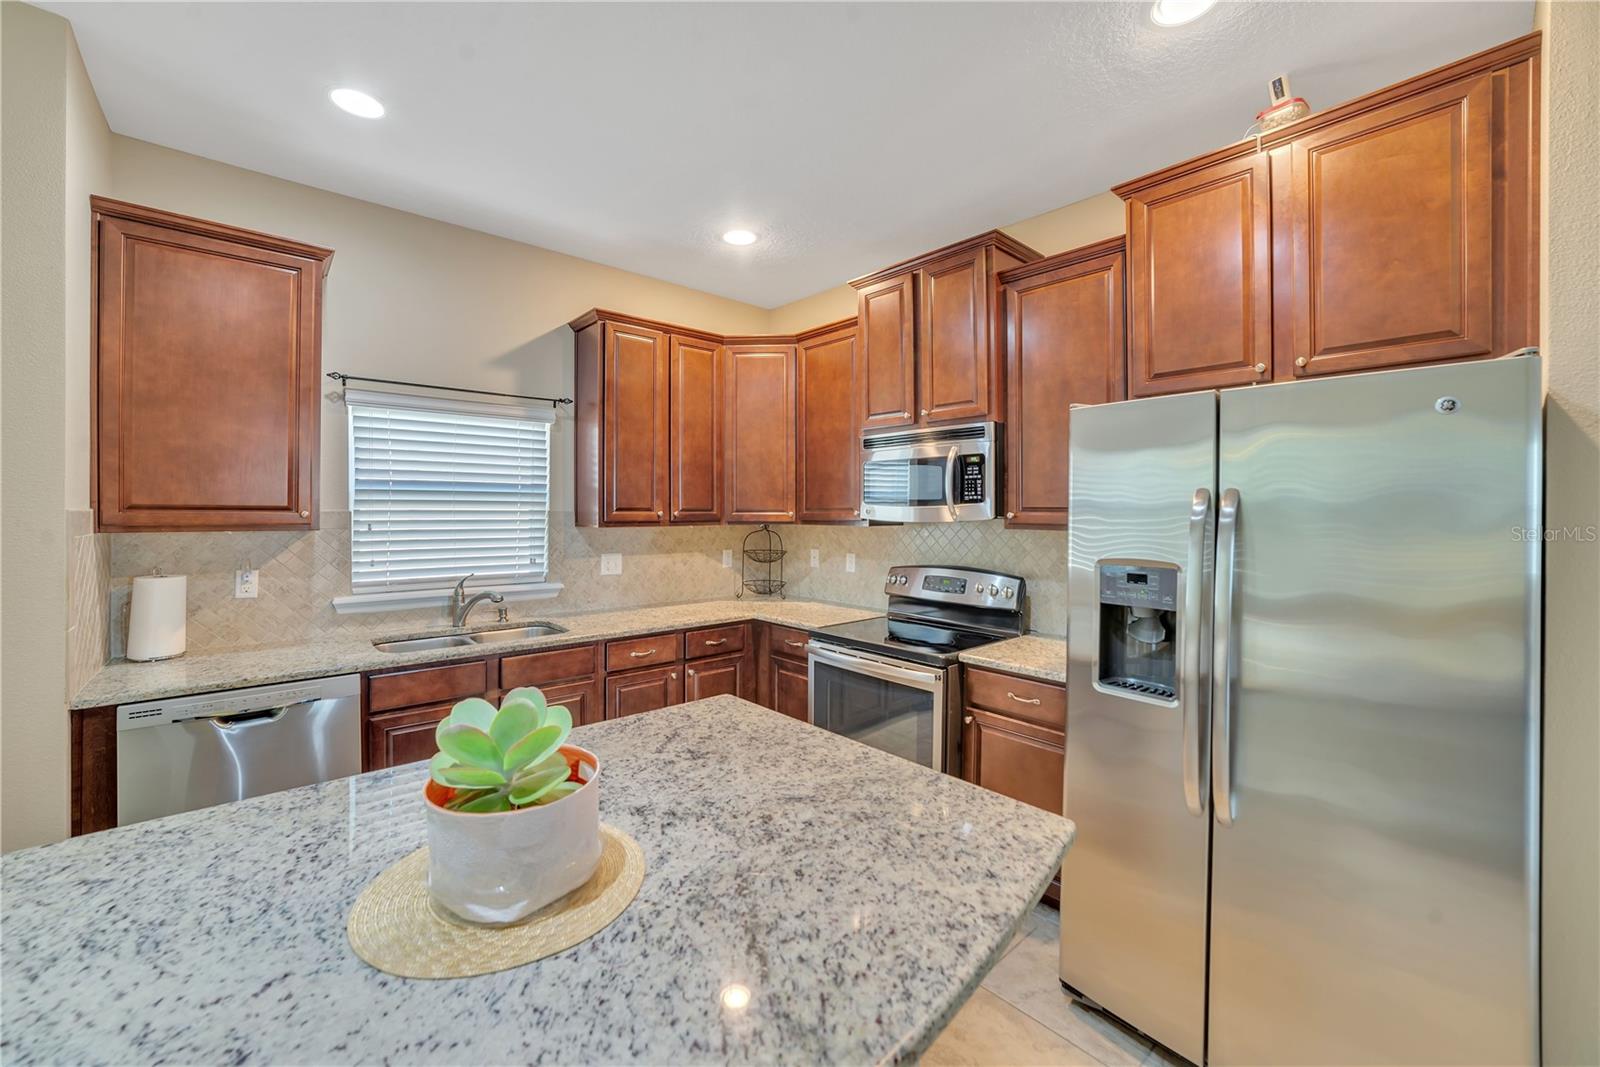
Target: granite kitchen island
(858, 898)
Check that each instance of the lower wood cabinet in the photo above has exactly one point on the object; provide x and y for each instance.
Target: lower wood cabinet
(399, 737)
(636, 692)
(730, 675)
(791, 692)
(585, 699)
(1014, 741)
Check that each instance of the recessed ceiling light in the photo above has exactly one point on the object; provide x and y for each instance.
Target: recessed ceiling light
(357, 103)
(1177, 12)
(739, 237)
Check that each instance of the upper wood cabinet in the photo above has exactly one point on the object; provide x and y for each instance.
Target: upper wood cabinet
(931, 347)
(623, 384)
(1064, 346)
(695, 468)
(828, 456)
(207, 360)
(759, 432)
(1397, 229)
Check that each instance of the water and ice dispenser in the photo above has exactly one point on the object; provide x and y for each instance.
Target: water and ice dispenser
(1139, 629)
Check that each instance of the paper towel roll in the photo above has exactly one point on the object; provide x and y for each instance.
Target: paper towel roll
(156, 619)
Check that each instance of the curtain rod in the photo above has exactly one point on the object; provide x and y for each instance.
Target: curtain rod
(553, 401)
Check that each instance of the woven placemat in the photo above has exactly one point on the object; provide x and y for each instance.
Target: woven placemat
(395, 926)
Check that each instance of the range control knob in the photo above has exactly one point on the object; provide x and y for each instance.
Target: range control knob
(994, 590)
(1008, 592)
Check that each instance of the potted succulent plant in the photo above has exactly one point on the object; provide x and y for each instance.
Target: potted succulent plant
(513, 810)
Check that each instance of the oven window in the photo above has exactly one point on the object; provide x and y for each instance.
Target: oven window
(905, 483)
(887, 715)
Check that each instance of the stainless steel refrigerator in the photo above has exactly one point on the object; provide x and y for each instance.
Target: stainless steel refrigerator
(1303, 743)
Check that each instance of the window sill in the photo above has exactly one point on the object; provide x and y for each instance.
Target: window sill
(406, 599)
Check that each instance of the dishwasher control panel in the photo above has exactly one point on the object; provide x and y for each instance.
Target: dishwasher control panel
(234, 701)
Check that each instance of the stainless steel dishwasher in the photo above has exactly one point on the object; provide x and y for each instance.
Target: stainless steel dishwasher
(192, 752)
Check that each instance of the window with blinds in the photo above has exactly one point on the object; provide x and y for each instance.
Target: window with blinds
(443, 488)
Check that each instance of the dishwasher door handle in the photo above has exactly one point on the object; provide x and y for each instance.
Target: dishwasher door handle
(245, 719)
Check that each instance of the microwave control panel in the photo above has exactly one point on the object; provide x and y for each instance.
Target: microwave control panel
(969, 478)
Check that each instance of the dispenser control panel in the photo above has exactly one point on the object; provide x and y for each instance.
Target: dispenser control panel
(1139, 585)
(969, 488)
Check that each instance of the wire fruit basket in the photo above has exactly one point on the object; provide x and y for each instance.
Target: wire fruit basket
(761, 569)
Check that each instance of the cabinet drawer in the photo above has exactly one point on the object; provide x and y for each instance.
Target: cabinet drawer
(716, 641)
(643, 651)
(787, 641)
(428, 685)
(542, 668)
(1019, 698)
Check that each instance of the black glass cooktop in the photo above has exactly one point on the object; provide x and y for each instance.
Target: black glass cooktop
(919, 642)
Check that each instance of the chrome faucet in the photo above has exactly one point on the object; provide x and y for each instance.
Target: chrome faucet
(461, 605)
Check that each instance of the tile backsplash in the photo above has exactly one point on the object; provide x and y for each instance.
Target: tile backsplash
(301, 573)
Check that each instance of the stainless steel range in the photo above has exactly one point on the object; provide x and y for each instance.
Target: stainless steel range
(893, 682)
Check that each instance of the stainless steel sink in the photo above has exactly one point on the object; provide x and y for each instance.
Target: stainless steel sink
(516, 633)
(482, 637)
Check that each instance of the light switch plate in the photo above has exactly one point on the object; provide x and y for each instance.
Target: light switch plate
(816, 558)
(246, 585)
(727, 557)
(611, 563)
(850, 562)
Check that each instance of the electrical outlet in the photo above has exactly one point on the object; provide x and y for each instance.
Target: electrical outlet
(849, 562)
(246, 584)
(816, 558)
(611, 563)
(727, 557)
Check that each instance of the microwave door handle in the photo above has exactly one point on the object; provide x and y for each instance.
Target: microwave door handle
(872, 668)
(950, 478)
(1222, 664)
(1191, 627)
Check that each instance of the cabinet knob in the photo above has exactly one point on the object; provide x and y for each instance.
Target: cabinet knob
(1301, 361)
(305, 514)
(673, 676)
(924, 412)
(658, 513)
(967, 720)
(1261, 368)
(1011, 514)
(689, 673)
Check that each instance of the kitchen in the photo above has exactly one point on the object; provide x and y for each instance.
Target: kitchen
(728, 432)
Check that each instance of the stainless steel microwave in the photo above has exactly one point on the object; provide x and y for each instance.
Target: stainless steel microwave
(936, 474)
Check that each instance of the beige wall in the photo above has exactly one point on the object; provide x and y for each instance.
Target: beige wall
(1570, 338)
(1079, 223)
(53, 152)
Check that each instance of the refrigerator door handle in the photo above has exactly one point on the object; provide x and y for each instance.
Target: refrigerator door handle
(1222, 662)
(1194, 608)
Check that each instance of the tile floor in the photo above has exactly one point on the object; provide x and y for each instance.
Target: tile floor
(1021, 1017)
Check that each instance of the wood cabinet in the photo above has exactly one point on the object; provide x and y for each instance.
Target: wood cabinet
(402, 708)
(396, 738)
(695, 468)
(429, 685)
(567, 676)
(1013, 740)
(931, 346)
(1400, 228)
(635, 652)
(1064, 319)
(207, 364)
(621, 391)
(827, 431)
(785, 686)
(730, 675)
(636, 692)
(759, 420)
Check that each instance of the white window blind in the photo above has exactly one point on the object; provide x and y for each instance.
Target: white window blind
(443, 488)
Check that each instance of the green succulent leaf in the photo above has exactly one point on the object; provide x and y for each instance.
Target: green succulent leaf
(474, 711)
(537, 746)
(528, 693)
(462, 776)
(529, 788)
(558, 715)
(495, 800)
(468, 744)
(516, 720)
(562, 789)
(439, 762)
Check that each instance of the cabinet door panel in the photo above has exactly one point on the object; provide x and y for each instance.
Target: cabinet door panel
(585, 699)
(406, 736)
(886, 317)
(759, 429)
(791, 688)
(637, 692)
(177, 312)
(1392, 219)
(1200, 280)
(696, 431)
(719, 676)
(636, 424)
(828, 464)
(1064, 346)
(953, 342)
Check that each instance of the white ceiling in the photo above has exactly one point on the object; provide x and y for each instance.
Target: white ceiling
(847, 135)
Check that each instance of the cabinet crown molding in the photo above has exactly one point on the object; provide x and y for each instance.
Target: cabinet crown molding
(996, 238)
(1503, 55)
(1071, 257)
(105, 207)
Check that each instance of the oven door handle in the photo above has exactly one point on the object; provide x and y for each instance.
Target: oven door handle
(873, 668)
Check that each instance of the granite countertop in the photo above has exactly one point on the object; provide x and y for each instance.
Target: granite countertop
(123, 682)
(860, 897)
(1030, 656)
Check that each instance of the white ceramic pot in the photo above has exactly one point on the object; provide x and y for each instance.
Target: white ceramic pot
(499, 867)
